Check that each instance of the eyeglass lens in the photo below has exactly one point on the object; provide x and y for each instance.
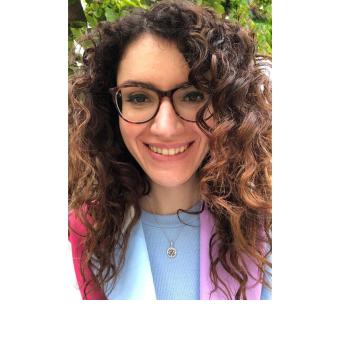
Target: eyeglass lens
(138, 104)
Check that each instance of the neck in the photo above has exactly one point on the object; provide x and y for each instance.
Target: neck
(165, 201)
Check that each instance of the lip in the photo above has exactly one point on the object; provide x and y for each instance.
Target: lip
(167, 158)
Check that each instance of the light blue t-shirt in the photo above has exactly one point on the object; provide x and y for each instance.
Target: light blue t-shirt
(174, 278)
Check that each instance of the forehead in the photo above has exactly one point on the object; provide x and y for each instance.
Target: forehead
(154, 60)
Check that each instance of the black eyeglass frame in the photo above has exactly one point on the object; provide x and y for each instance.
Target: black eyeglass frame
(161, 94)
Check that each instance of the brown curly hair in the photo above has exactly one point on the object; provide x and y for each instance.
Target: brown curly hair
(105, 181)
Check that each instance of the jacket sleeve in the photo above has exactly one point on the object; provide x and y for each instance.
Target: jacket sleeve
(77, 234)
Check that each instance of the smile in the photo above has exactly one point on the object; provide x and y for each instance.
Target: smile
(167, 151)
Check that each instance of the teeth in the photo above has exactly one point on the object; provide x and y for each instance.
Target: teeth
(168, 152)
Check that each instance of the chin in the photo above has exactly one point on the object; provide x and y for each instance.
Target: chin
(170, 181)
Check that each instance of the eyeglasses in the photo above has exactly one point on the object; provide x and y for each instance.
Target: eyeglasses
(139, 103)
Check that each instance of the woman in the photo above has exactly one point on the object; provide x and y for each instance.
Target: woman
(170, 144)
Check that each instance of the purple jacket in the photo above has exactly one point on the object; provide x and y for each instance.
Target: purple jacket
(135, 280)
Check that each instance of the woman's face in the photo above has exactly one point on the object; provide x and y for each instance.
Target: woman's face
(155, 61)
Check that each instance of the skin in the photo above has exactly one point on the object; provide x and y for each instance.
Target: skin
(174, 183)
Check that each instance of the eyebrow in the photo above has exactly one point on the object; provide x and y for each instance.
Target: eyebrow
(149, 84)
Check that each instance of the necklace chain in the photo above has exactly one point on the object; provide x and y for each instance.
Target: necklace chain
(171, 250)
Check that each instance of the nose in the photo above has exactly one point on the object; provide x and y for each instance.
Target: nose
(166, 122)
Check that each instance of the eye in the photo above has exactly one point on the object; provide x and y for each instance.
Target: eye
(138, 98)
(193, 96)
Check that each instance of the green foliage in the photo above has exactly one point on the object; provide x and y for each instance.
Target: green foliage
(109, 10)
(217, 5)
(252, 14)
(255, 15)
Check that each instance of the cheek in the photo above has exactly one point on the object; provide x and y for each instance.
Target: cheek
(131, 134)
(204, 139)
(127, 133)
(205, 146)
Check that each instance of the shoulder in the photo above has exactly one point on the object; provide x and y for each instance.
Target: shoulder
(77, 231)
(77, 235)
(75, 224)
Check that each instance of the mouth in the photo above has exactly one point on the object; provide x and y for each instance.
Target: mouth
(169, 151)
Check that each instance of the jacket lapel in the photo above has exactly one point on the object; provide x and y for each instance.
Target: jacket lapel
(135, 281)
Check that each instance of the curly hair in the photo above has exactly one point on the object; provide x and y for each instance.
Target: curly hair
(105, 181)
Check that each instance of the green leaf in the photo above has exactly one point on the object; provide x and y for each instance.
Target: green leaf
(77, 32)
(218, 8)
(110, 14)
(92, 21)
(130, 3)
(99, 12)
(94, 6)
(78, 24)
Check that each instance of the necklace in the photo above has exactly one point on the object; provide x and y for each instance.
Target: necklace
(171, 250)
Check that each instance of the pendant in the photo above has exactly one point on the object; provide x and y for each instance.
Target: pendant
(171, 251)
